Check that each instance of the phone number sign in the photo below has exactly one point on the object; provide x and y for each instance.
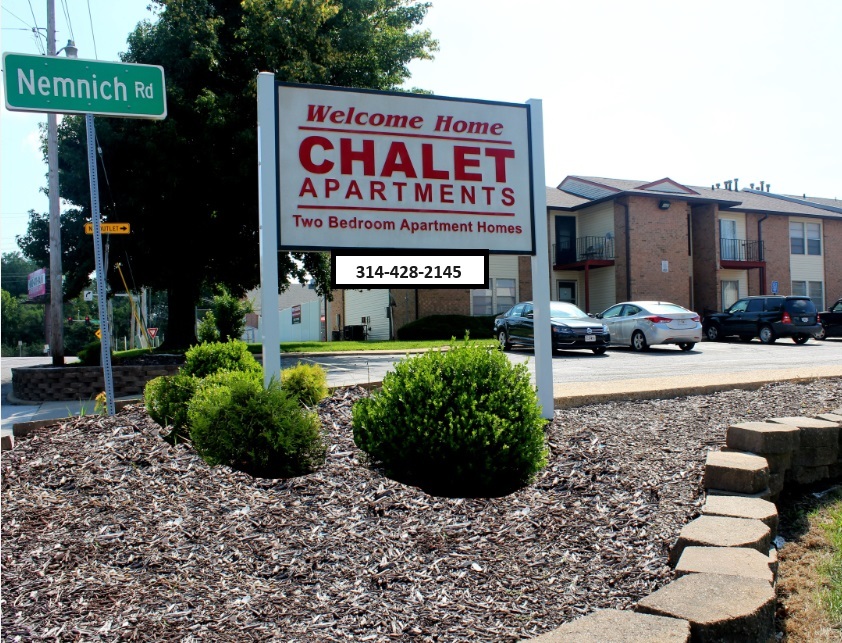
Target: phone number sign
(365, 169)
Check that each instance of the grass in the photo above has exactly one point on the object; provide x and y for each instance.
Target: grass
(830, 594)
(810, 572)
(332, 347)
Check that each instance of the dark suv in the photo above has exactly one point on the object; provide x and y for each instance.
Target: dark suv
(765, 317)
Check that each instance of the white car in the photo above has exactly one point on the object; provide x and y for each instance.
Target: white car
(640, 324)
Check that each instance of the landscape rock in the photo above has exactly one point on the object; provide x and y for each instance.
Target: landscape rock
(722, 531)
(735, 471)
(743, 507)
(721, 608)
(762, 437)
(619, 626)
(731, 561)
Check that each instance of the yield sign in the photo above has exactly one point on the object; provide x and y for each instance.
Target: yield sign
(152, 332)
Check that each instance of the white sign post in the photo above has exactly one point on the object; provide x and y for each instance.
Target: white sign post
(361, 169)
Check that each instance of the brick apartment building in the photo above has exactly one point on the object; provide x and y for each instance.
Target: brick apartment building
(614, 240)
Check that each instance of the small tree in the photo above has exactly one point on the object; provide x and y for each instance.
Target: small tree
(230, 314)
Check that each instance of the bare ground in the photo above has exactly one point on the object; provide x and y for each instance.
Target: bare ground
(109, 533)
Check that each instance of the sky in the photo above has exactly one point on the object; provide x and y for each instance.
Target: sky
(700, 92)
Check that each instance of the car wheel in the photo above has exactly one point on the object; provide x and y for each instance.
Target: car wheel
(505, 344)
(599, 350)
(638, 341)
(767, 335)
(746, 338)
(800, 339)
(822, 334)
(713, 333)
(687, 346)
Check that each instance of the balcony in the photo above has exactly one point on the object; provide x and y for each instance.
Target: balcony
(589, 252)
(740, 253)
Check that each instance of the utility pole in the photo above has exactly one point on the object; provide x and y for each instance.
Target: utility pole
(56, 290)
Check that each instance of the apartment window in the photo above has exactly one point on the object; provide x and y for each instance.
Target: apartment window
(730, 293)
(805, 238)
(812, 289)
(498, 299)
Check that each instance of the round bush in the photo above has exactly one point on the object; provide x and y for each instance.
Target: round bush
(306, 382)
(465, 422)
(206, 359)
(264, 432)
(166, 399)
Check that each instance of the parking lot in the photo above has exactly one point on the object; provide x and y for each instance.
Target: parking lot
(707, 358)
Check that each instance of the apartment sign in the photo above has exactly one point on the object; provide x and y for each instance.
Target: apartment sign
(365, 169)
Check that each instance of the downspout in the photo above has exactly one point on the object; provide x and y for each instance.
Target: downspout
(761, 253)
(628, 251)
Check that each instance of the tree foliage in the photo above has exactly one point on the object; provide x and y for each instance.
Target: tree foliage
(188, 184)
(14, 271)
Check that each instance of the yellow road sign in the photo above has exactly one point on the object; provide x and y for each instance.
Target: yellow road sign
(109, 228)
(98, 333)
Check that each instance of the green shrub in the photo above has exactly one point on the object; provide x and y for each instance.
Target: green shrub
(207, 330)
(166, 399)
(90, 354)
(463, 422)
(264, 432)
(306, 382)
(447, 327)
(206, 359)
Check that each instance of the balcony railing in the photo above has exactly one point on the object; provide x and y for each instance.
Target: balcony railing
(587, 248)
(740, 250)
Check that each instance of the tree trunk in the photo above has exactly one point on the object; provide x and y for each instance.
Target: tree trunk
(181, 324)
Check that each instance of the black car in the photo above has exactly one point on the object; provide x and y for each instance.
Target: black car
(831, 321)
(766, 317)
(571, 328)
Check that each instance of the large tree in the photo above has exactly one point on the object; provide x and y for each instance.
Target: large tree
(188, 184)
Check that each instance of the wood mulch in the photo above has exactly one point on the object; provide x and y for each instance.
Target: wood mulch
(109, 533)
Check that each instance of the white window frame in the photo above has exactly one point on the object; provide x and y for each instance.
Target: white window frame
(806, 232)
(809, 288)
(496, 306)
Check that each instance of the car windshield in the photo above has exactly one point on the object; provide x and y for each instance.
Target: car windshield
(802, 306)
(666, 308)
(565, 310)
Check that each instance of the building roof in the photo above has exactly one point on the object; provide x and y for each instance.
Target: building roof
(576, 192)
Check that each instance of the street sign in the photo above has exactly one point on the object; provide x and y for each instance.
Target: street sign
(80, 86)
(98, 333)
(109, 228)
(89, 294)
(152, 332)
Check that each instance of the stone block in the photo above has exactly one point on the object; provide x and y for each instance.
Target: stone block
(830, 417)
(735, 471)
(812, 432)
(743, 507)
(808, 475)
(722, 531)
(719, 607)
(8, 442)
(773, 562)
(762, 437)
(815, 456)
(777, 481)
(731, 561)
(619, 626)
(778, 462)
(766, 494)
(834, 470)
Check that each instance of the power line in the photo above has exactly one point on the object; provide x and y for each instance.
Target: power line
(67, 18)
(91, 19)
(35, 29)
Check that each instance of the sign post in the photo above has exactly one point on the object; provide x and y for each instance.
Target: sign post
(78, 86)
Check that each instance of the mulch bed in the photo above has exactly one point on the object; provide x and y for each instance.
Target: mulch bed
(109, 533)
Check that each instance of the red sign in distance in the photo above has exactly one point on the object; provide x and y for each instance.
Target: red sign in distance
(152, 332)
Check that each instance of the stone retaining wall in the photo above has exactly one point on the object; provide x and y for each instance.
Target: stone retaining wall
(726, 565)
(57, 383)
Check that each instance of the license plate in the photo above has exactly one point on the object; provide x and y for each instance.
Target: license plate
(590, 338)
(805, 319)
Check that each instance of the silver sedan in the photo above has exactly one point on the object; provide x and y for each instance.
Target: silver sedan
(640, 324)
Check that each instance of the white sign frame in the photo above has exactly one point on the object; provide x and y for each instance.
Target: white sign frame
(373, 169)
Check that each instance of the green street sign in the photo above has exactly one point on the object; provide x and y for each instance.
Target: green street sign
(79, 86)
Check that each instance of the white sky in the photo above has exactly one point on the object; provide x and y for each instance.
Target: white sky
(701, 92)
